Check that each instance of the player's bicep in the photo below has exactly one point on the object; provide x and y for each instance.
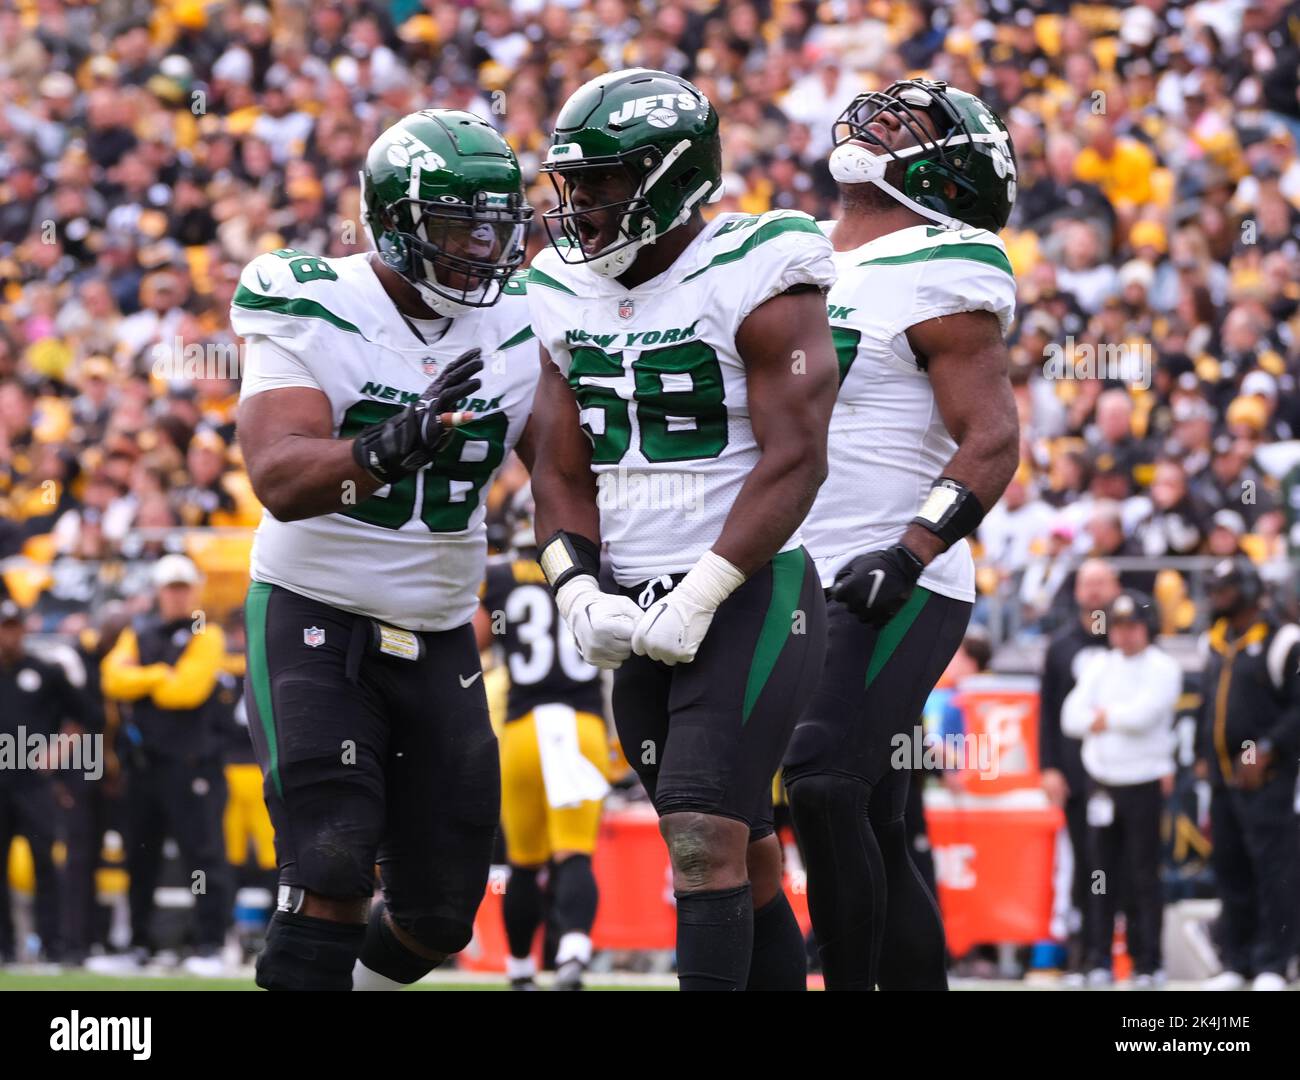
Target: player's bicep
(555, 431)
(967, 361)
(270, 365)
(790, 368)
(526, 447)
(266, 419)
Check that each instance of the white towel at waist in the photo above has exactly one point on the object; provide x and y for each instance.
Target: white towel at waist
(569, 777)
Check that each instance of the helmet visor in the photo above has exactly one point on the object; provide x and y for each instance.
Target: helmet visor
(466, 253)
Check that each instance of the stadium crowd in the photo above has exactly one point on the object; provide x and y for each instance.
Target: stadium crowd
(148, 150)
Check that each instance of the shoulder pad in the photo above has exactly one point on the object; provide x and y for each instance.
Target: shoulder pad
(287, 284)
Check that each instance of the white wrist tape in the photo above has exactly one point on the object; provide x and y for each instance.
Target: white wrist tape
(711, 581)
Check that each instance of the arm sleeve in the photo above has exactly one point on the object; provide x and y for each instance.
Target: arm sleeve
(193, 677)
(269, 365)
(1152, 703)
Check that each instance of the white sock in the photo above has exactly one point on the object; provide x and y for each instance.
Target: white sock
(520, 967)
(365, 979)
(575, 945)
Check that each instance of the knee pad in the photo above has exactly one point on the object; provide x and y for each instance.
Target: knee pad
(437, 933)
(306, 953)
(330, 866)
(815, 796)
(385, 955)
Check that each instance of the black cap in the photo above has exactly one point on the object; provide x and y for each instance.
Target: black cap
(1236, 571)
(1133, 606)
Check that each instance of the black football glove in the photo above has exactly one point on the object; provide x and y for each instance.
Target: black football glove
(875, 585)
(407, 441)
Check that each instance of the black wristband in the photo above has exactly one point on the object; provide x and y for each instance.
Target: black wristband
(365, 453)
(951, 512)
(566, 555)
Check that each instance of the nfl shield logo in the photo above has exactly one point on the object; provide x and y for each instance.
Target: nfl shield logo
(429, 366)
(313, 636)
(625, 308)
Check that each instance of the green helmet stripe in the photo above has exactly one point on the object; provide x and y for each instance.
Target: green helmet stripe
(658, 129)
(435, 173)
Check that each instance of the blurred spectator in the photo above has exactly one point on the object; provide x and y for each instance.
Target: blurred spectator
(37, 703)
(1122, 707)
(167, 669)
(1249, 748)
(1060, 755)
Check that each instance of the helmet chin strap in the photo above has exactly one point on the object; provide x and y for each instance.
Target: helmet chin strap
(616, 263)
(853, 164)
(441, 304)
(438, 303)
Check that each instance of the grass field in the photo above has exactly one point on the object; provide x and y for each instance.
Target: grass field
(34, 980)
(83, 980)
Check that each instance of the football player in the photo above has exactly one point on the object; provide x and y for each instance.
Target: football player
(555, 757)
(687, 381)
(381, 393)
(923, 440)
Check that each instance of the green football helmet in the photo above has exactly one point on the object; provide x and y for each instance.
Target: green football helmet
(656, 128)
(972, 152)
(443, 204)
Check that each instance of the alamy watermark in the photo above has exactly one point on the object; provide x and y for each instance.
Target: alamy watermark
(37, 751)
(625, 490)
(1132, 364)
(915, 750)
(192, 361)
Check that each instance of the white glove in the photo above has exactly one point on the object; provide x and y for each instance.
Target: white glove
(602, 623)
(672, 629)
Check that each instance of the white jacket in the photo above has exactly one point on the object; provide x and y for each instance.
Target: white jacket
(1139, 694)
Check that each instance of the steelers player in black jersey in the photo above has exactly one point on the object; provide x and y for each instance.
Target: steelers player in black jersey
(554, 760)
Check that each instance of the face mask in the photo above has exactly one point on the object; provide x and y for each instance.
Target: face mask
(852, 163)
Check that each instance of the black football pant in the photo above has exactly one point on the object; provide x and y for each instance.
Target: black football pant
(1127, 853)
(875, 921)
(27, 809)
(1256, 860)
(371, 758)
(183, 799)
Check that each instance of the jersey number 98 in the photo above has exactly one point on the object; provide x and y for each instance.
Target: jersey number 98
(453, 483)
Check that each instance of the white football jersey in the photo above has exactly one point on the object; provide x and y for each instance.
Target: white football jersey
(413, 553)
(888, 443)
(660, 384)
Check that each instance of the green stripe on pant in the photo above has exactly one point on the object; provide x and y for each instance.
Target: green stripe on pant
(259, 677)
(787, 581)
(893, 632)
